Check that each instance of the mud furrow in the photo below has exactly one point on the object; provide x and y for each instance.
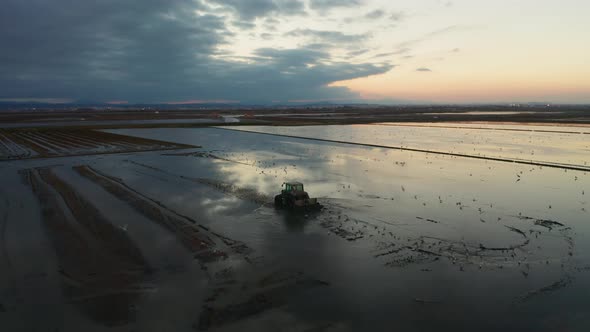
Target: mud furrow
(93, 221)
(50, 147)
(234, 296)
(60, 147)
(562, 283)
(199, 241)
(81, 139)
(247, 194)
(3, 225)
(272, 292)
(23, 141)
(72, 142)
(98, 262)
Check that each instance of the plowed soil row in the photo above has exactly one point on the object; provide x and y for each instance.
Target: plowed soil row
(101, 268)
(22, 144)
(232, 298)
(206, 245)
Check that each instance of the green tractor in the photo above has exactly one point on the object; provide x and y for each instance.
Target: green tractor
(294, 197)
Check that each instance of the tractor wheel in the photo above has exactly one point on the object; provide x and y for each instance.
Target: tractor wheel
(278, 201)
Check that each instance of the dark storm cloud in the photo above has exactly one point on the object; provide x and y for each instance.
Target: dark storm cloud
(292, 57)
(293, 74)
(333, 37)
(245, 25)
(299, 79)
(251, 9)
(151, 51)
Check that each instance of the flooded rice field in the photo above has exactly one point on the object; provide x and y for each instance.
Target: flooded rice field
(189, 240)
(561, 146)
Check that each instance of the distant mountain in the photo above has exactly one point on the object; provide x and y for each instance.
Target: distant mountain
(81, 106)
(31, 106)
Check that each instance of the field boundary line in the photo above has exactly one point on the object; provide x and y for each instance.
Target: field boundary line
(482, 128)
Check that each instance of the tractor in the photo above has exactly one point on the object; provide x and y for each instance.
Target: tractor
(294, 197)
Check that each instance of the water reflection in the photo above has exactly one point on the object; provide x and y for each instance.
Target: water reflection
(400, 226)
(551, 147)
(296, 221)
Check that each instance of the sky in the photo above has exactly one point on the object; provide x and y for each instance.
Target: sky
(273, 51)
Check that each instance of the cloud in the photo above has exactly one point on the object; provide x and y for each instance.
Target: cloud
(292, 57)
(325, 5)
(37, 100)
(375, 14)
(266, 36)
(396, 52)
(383, 55)
(405, 45)
(424, 69)
(356, 53)
(244, 25)
(252, 9)
(445, 3)
(333, 37)
(294, 74)
(157, 51)
(397, 16)
(445, 30)
(271, 21)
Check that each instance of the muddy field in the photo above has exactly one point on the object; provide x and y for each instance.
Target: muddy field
(412, 236)
(196, 115)
(22, 144)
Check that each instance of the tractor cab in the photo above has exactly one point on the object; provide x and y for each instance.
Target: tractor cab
(293, 187)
